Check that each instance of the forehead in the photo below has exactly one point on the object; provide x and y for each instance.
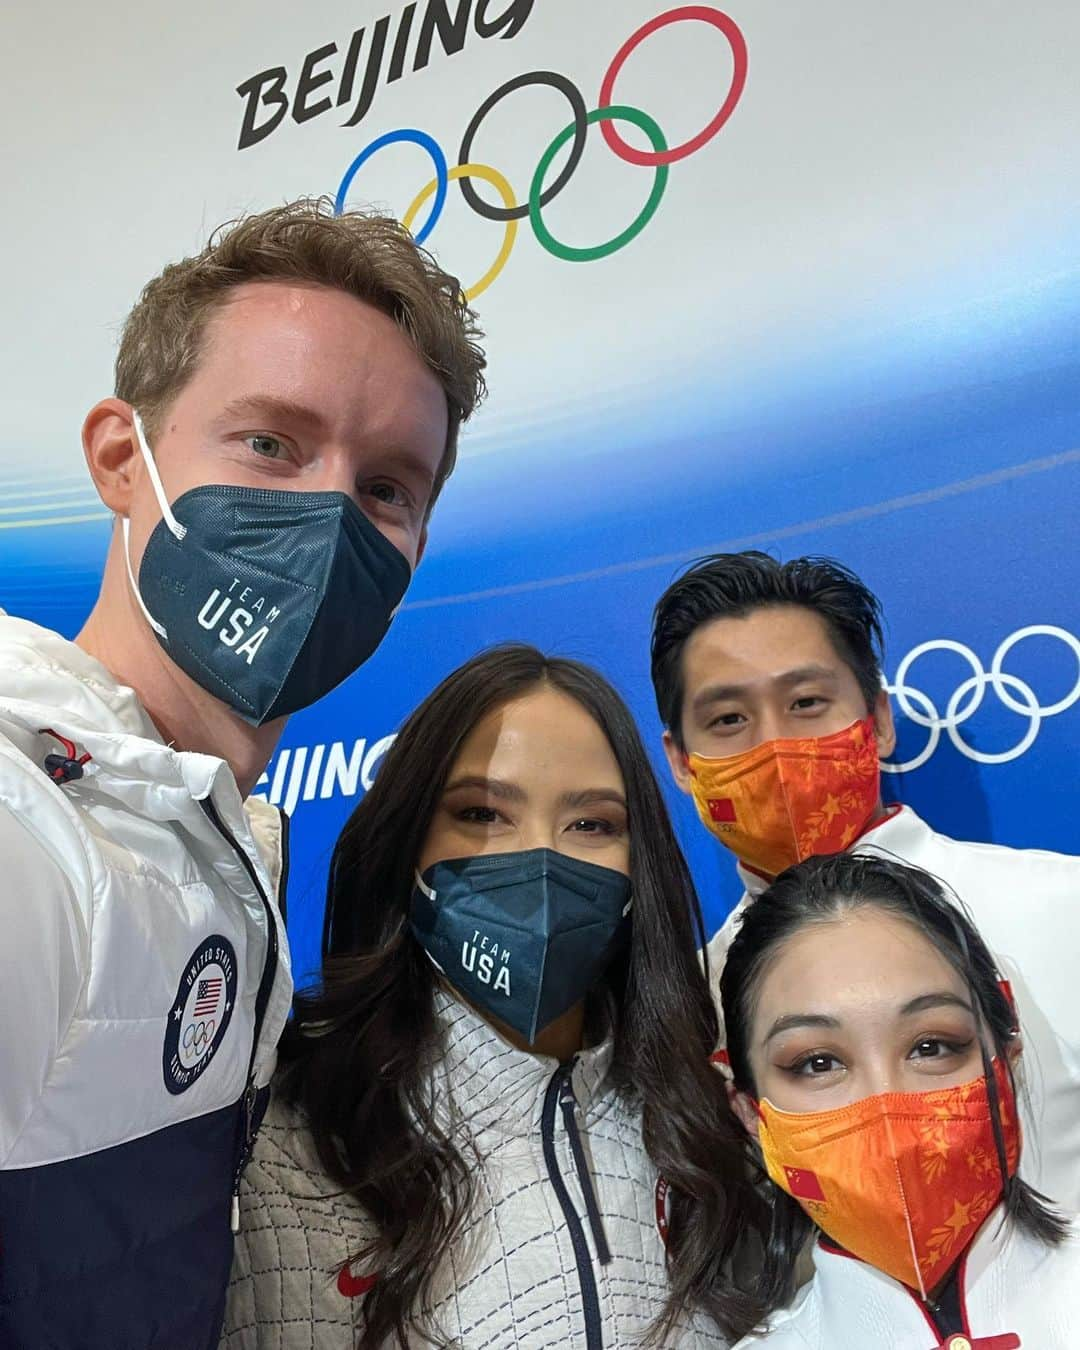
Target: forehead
(767, 641)
(296, 341)
(858, 967)
(543, 738)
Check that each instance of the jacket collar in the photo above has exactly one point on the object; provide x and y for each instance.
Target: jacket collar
(495, 1086)
(900, 832)
(843, 1281)
(47, 681)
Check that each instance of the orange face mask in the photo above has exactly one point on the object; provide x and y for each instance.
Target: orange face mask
(902, 1180)
(785, 800)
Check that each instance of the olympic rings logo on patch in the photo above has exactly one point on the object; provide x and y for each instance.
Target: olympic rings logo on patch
(967, 698)
(197, 1035)
(541, 193)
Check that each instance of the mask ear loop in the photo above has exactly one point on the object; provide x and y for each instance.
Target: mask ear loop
(174, 526)
(989, 1076)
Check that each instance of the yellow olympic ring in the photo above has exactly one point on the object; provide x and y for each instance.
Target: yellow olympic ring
(505, 191)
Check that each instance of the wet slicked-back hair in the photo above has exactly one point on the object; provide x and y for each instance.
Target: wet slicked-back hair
(733, 585)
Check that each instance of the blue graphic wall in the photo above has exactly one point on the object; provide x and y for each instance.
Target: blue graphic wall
(850, 326)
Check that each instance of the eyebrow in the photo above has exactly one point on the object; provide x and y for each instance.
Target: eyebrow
(271, 405)
(942, 999)
(939, 1000)
(499, 787)
(716, 693)
(790, 1020)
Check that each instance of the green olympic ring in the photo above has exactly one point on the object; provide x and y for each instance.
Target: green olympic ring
(567, 252)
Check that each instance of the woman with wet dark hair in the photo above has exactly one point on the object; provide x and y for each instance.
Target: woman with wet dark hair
(874, 1054)
(496, 1122)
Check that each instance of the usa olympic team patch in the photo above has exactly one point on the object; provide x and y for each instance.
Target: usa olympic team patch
(200, 1013)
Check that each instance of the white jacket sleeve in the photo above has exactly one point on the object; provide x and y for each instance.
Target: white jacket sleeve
(40, 976)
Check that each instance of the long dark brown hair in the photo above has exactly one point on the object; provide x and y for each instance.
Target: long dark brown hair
(823, 889)
(359, 1056)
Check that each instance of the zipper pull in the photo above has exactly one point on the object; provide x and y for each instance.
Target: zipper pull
(251, 1092)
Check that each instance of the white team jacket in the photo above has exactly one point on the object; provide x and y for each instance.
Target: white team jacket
(138, 919)
(525, 1273)
(1016, 1294)
(1026, 905)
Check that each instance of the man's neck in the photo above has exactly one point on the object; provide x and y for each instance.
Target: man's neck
(186, 716)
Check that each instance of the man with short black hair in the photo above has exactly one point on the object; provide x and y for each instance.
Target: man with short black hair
(286, 409)
(768, 681)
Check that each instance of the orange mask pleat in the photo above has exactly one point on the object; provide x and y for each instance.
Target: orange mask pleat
(785, 800)
(902, 1180)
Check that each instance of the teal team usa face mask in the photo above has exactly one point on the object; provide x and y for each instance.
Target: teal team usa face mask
(523, 936)
(267, 599)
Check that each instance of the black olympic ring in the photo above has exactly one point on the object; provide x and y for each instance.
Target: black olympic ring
(581, 129)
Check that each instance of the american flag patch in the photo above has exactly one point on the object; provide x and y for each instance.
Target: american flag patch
(206, 996)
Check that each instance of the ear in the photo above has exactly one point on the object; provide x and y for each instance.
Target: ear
(676, 759)
(112, 453)
(743, 1106)
(884, 727)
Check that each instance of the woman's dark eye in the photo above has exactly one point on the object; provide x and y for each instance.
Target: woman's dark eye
(589, 826)
(483, 815)
(932, 1047)
(816, 1064)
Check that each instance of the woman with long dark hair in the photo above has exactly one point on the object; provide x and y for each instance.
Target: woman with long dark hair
(874, 1051)
(496, 1122)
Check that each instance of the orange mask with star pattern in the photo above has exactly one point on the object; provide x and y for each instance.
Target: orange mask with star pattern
(786, 800)
(903, 1180)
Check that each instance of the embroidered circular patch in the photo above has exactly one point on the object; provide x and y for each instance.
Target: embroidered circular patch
(200, 1013)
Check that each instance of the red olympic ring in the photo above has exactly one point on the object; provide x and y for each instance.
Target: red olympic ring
(653, 158)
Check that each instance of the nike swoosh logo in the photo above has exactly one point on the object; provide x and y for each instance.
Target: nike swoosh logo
(353, 1286)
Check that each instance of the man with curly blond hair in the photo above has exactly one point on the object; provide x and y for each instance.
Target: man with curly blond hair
(286, 411)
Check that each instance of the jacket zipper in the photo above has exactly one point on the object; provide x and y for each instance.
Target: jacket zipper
(561, 1092)
(262, 996)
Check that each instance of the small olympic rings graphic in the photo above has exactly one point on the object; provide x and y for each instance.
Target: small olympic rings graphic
(541, 193)
(966, 699)
(198, 1035)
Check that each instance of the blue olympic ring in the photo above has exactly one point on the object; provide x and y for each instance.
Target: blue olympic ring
(414, 137)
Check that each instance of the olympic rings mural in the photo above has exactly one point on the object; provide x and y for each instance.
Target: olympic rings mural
(541, 193)
(966, 699)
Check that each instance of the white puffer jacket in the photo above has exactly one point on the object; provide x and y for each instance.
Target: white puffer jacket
(526, 1272)
(140, 948)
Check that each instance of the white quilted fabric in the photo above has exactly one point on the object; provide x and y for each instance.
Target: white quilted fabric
(513, 1280)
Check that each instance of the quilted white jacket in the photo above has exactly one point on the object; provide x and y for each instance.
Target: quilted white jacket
(144, 982)
(526, 1273)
